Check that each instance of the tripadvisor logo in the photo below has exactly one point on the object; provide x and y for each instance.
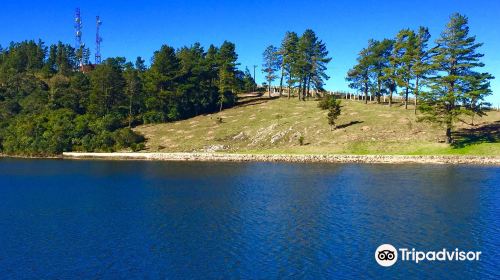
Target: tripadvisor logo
(387, 255)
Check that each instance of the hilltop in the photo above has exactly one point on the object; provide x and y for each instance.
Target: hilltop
(258, 124)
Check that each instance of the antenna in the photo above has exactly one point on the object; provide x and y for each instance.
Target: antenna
(78, 36)
(98, 40)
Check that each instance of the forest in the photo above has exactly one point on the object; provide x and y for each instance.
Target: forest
(50, 103)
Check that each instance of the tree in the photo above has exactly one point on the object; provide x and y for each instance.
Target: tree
(390, 77)
(333, 114)
(248, 81)
(133, 90)
(66, 60)
(359, 76)
(139, 64)
(107, 87)
(164, 70)
(311, 60)
(161, 83)
(421, 65)
(288, 52)
(331, 104)
(380, 52)
(227, 68)
(405, 49)
(456, 85)
(58, 89)
(271, 65)
(319, 61)
(477, 89)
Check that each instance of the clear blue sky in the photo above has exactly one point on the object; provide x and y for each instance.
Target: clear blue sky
(132, 28)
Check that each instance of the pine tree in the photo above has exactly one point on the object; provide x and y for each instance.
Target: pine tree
(312, 58)
(404, 51)
(333, 113)
(164, 70)
(133, 89)
(359, 76)
(456, 86)
(270, 65)
(248, 81)
(289, 52)
(421, 59)
(390, 77)
(318, 70)
(140, 64)
(305, 52)
(227, 58)
(380, 53)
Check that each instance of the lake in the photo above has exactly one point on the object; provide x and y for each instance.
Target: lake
(139, 219)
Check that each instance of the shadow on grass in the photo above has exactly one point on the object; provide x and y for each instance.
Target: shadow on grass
(243, 102)
(348, 124)
(489, 133)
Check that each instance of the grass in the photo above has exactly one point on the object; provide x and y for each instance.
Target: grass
(262, 125)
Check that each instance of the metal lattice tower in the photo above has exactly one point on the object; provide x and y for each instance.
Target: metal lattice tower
(98, 40)
(78, 34)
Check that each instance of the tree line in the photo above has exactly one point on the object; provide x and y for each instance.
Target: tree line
(50, 104)
(300, 62)
(444, 78)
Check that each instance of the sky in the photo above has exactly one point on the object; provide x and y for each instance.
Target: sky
(138, 28)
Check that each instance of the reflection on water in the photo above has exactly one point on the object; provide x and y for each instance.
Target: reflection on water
(99, 219)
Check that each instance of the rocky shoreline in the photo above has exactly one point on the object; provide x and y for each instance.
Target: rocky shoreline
(306, 158)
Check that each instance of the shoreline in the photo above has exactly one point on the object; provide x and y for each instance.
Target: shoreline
(295, 158)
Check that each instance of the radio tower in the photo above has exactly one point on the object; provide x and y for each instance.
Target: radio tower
(98, 40)
(78, 36)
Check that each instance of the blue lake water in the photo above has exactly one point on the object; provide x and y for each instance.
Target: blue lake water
(64, 219)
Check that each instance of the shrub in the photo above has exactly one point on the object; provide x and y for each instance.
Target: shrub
(326, 102)
(333, 113)
(153, 117)
(125, 138)
(301, 140)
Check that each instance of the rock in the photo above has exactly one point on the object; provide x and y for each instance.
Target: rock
(240, 136)
(296, 135)
(214, 148)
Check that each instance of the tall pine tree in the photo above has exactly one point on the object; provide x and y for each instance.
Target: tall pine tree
(457, 85)
(270, 64)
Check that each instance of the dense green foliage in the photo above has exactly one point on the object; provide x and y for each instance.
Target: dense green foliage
(49, 104)
(444, 79)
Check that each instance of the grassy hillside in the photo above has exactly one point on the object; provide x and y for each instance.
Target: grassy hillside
(263, 125)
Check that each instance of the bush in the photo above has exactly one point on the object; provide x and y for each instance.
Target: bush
(50, 132)
(333, 113)
(125, 138)
(112, 121)
(301, 140)
(57, 131)
(153, 117)
(229, 99)
(326, 102)
(137, 147)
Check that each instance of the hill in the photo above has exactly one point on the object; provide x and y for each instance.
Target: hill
(278, 126)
